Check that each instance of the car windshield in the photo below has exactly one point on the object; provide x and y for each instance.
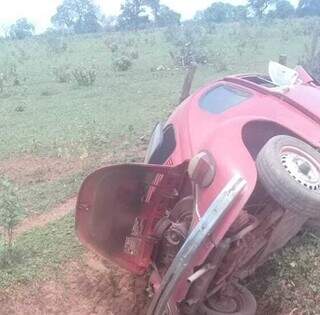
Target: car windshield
(222, 98)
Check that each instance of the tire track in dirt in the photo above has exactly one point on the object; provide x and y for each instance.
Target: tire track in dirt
(43, 219)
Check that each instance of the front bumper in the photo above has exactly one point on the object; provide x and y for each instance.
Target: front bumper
(213, 216)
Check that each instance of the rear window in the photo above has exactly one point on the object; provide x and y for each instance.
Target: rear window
(222, 98)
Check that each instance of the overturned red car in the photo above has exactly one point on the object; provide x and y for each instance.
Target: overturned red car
(229, 179)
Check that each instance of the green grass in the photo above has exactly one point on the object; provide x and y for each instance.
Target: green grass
(291, 279)
(46, 195)
(73, 116)
(41, 251)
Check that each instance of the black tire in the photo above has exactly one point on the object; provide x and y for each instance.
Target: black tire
(246, 303)
(287, 183)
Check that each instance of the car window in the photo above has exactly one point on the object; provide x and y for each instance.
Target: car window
(165, 148)
(222, 98)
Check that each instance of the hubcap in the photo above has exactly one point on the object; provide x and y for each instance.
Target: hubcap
(302, 167)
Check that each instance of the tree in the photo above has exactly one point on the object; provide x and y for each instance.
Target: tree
(308, 8)
(5, 30)
(133, 15)
(21, 29)
(284, 9)
(108, 23)
(155, 6)
(260, 6)
(79, 16)
(240, 13)
(167, 17)
(220, 12)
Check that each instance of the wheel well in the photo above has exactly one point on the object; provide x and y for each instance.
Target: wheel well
(256, 134)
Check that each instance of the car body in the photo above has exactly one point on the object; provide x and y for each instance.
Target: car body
(202, 159)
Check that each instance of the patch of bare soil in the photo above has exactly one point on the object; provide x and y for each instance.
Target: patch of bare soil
(85, 287)
(43, 219)
(33, 169)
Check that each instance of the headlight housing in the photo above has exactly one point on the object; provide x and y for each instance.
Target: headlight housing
(202, 169)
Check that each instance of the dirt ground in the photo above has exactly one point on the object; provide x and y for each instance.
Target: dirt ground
(31, 169)
(43, 219)
(85, 287)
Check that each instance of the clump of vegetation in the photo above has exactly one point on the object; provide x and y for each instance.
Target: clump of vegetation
(312, 56)
(122, 63)
(19, 108)
(9, 76)
(10, 215)
(84, 76)
(62, 74)
(21, 29)
(189, 43)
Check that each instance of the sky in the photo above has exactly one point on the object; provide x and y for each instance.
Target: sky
(39, 12)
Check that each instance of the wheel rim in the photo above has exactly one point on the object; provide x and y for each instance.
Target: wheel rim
(224, 304)
(228, 301)
(302, 167)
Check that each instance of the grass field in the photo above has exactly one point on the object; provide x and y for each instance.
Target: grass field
(54, 133)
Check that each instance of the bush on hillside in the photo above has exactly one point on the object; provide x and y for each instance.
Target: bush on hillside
(122, 63)
(84, 76)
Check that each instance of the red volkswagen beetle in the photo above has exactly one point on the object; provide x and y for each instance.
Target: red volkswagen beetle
(230, 178)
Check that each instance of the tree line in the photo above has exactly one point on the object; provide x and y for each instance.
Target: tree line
(84, 16)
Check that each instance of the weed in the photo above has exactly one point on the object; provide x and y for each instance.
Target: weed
(122, 63)
(84, 76)
(43, 249)
(189, 42)
(19, 108)
(10, 215)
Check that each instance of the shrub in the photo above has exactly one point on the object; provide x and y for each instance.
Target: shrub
(189, 42)
(84, 76)
(122, 63)
(10, 215)
(9, 76)
(62, 74)
(187, 55)
(19, 108)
